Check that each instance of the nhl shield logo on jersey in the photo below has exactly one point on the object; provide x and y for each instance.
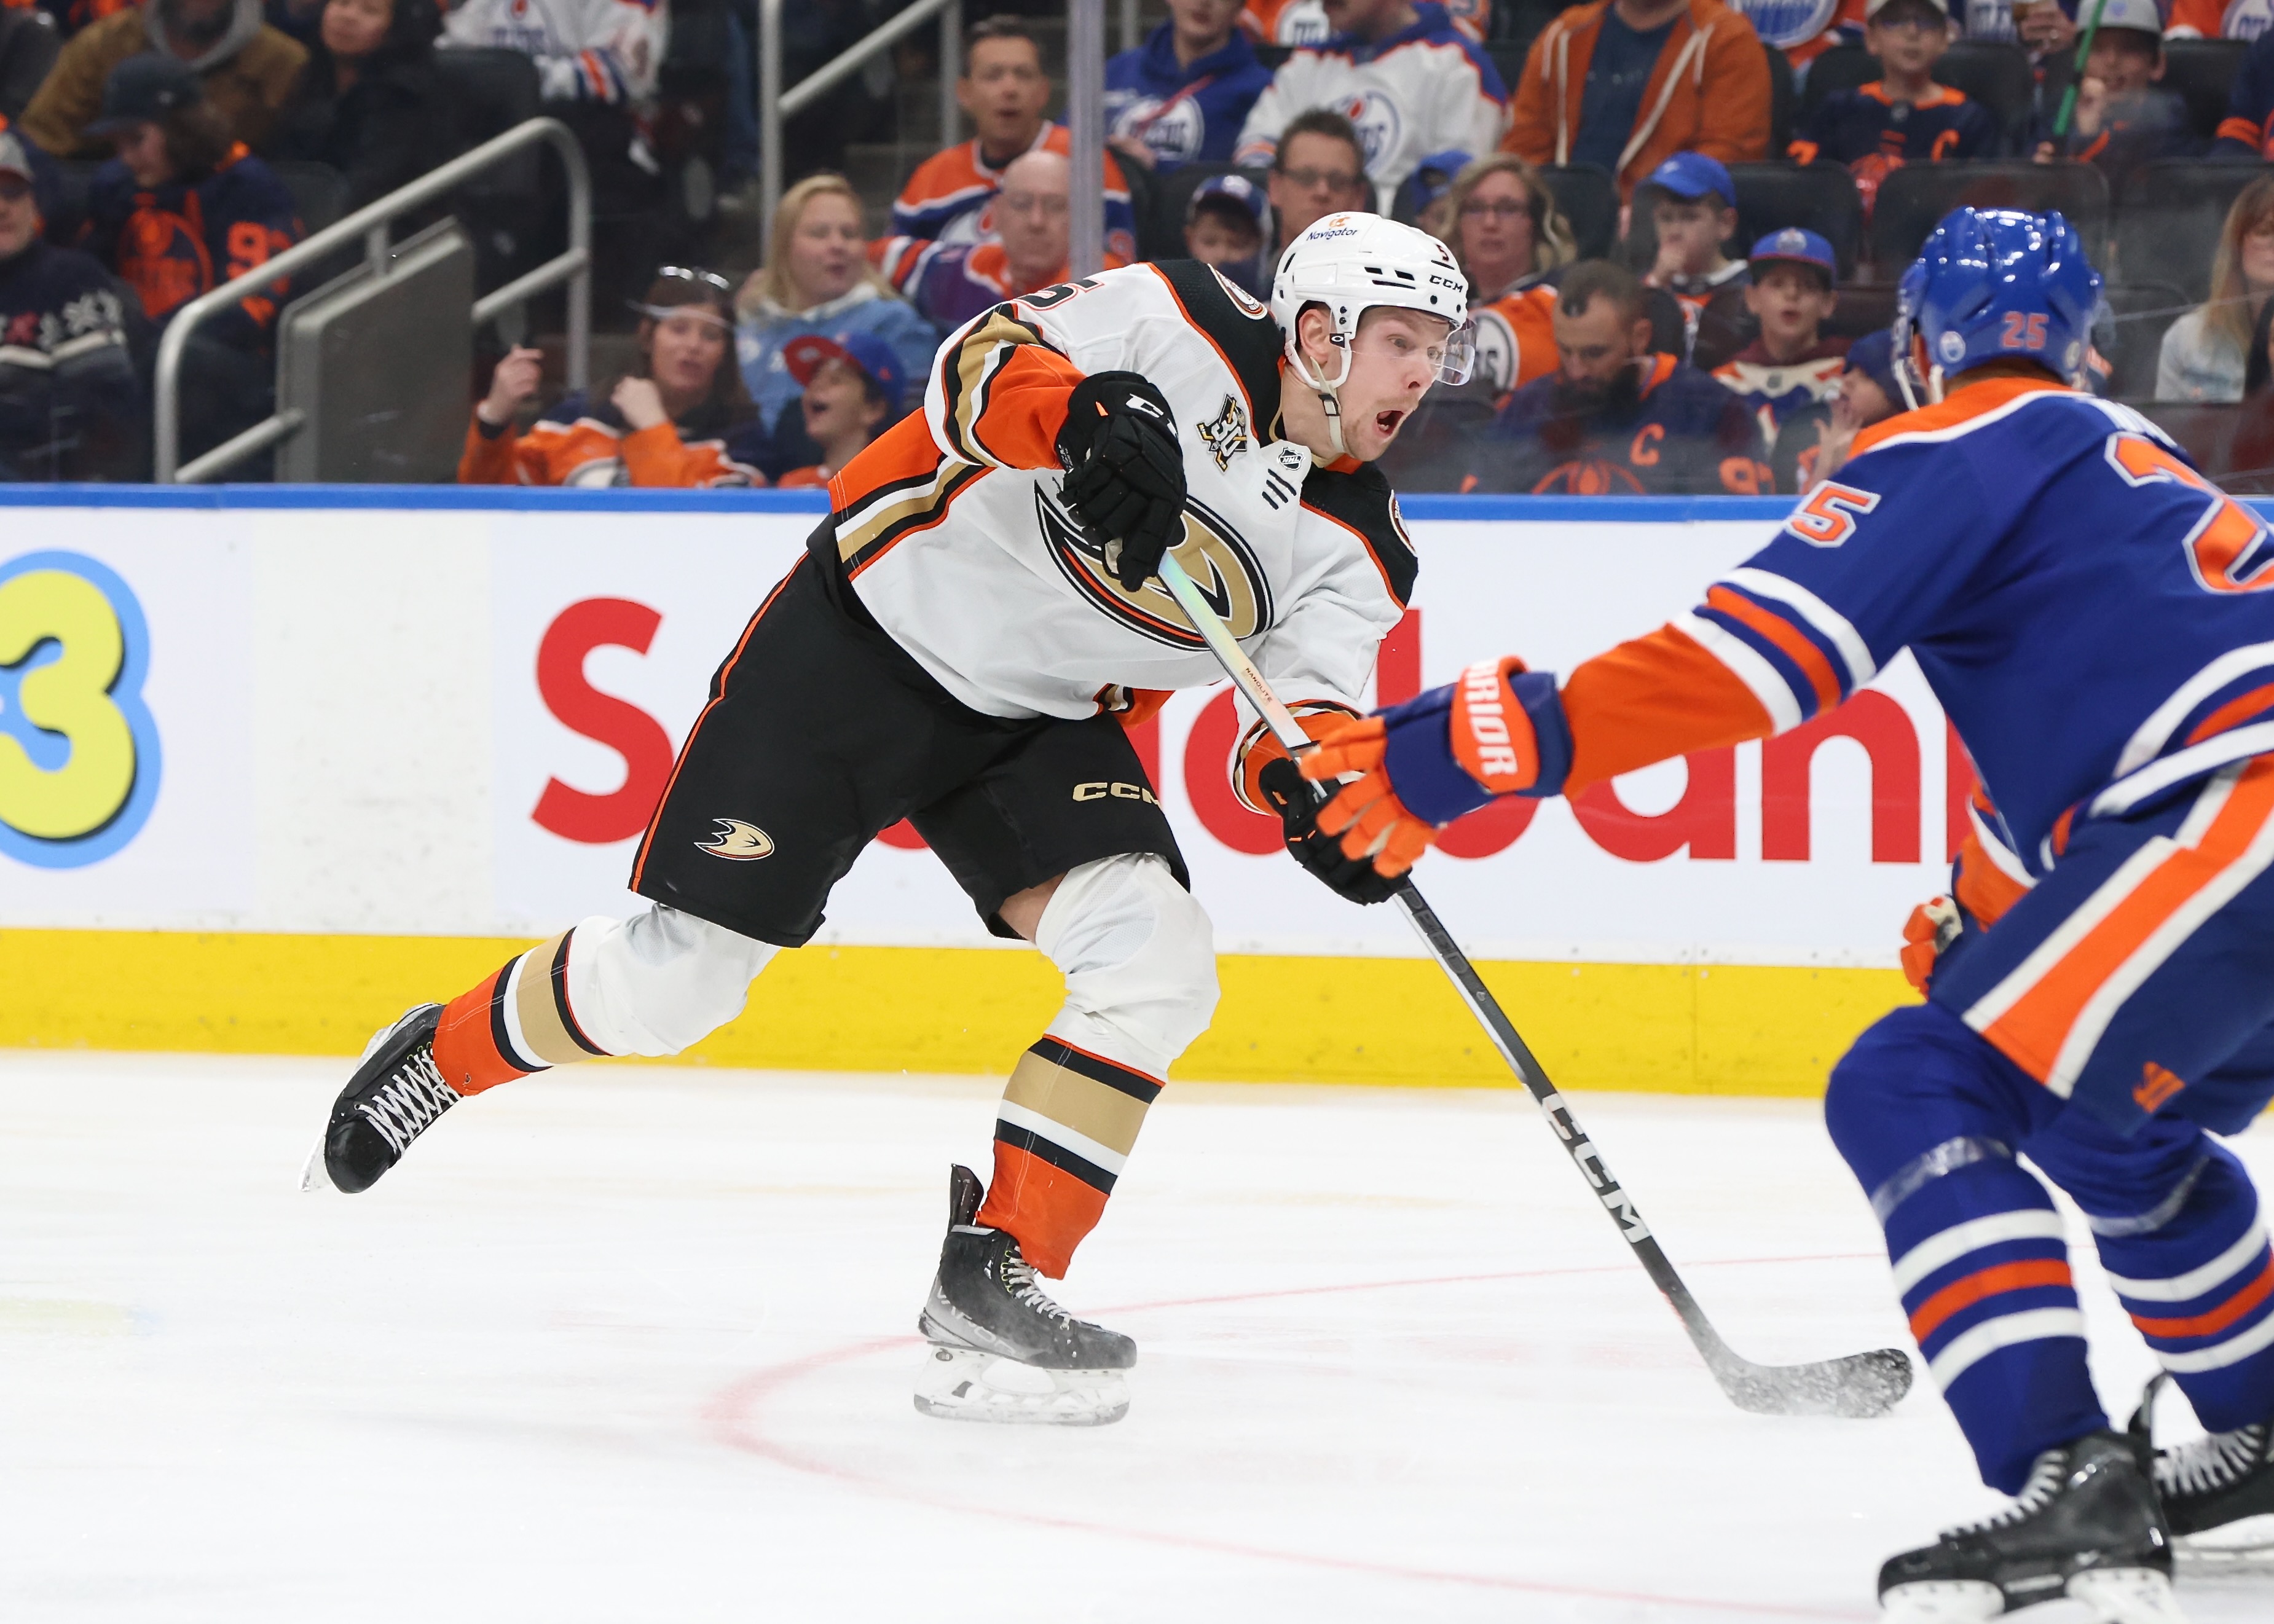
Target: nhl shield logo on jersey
(1227, 436)
(737, 841)
(1213, 553)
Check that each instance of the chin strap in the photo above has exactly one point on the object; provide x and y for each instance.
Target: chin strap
(1330, 400)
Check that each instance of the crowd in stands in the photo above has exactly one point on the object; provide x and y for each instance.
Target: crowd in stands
(1679, 218)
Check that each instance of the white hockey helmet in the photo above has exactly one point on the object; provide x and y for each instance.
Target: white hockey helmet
(1353, 263)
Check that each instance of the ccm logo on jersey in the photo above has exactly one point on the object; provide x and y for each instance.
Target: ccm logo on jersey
(737, 841)
(1828, 516)
(1118, 791)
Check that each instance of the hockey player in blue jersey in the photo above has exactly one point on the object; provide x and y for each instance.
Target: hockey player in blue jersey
(2095, 618)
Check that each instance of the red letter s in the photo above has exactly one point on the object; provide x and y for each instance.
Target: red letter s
(623, 726)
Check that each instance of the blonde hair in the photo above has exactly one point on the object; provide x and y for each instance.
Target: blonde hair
(1552, 243)
(2228, 311)
(770, 282)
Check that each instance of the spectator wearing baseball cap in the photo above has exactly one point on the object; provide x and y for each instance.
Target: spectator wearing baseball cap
(678, 417)
(1693, 210)
(1791, 365)
(1904, 116)
(853, 389)
(1628, 84)
(70, 407)
(2124, 118)
(247, 68)
(1812, 442)
(182, 209)
(1224, 228)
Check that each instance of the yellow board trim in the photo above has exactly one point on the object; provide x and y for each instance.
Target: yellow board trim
(1663, 1028)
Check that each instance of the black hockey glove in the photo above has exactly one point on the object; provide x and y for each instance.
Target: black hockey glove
(1125, 472)
(1354, 879)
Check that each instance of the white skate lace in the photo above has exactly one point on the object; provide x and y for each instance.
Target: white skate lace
(414, 1097)
(1024, 1284)
(2203, 1464)
(2044, 1478)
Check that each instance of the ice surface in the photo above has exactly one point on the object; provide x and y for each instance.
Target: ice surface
(637, 1344)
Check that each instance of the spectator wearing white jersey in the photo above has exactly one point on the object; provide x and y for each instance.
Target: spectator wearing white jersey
(1417, 89)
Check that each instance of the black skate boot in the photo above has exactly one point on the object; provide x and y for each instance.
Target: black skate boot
(395, 1096)
(2086, 1526)
(1001, 1351)
(2217, 1491)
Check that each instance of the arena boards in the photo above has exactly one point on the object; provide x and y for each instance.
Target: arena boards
(352, 746)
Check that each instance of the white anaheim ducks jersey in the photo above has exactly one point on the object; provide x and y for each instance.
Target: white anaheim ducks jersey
(951, 530)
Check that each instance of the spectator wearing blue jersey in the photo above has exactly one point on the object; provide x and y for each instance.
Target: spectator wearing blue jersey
(816, 282)
(2246, 133)
(1904, 116)
(1182, 97)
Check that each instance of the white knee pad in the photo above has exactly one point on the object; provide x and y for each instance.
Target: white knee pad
(659, 980)
(1139, 956)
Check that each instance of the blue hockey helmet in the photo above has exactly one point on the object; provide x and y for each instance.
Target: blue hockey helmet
(1997, 284)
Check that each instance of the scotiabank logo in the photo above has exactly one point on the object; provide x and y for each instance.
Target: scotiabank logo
(1702, 824)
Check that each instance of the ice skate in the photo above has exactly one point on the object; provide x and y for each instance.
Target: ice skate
(1000, 1349)
(2086, 1527)
(395, 1096)
(2217, 1491)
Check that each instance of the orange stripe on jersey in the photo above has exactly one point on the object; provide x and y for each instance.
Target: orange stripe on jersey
(2218, 1318)
(2235, 712)
(2033, 1028)
(1786, 636)
(1005, 393)
(1974, 401)
(1046, 1209)
(2029, 1275)
(901, 455)
(1650, 699)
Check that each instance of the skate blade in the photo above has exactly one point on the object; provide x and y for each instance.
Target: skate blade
(963, 1384)
(2247, 1543)
(1942, 1601)
(315, 1178)
(2128, 1596)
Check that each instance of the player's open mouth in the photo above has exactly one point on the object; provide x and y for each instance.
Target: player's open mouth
(1386, 422)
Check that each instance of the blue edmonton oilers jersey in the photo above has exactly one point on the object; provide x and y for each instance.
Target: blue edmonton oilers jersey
(1183, 114)
(2093, 614)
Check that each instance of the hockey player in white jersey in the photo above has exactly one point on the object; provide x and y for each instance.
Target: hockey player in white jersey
(963, 644)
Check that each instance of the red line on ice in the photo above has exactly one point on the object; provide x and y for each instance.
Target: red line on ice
(735, 1419)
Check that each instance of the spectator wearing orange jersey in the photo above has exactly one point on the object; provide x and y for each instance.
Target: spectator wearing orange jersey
(852, 388)
(1501, 223)
(681, 418)
(1627, 84)
(2217, 19)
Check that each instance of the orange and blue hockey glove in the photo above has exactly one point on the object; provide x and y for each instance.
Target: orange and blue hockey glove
(1927, 935)
(1500, 729)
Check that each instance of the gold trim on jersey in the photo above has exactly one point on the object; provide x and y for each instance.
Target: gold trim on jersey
(968, 370)
(868, 530)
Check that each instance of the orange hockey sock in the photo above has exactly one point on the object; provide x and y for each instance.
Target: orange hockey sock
(1067, 1122)
(513, 1023)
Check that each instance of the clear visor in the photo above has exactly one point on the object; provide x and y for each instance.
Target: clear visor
(1452, 359)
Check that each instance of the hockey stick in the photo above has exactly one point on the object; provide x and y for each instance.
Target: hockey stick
(1862, 1384)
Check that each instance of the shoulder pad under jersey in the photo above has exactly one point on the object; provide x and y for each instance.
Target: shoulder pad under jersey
(1240, 326)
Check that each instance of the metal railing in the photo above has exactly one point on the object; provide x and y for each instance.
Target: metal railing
(370, 225)
(776, 104)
